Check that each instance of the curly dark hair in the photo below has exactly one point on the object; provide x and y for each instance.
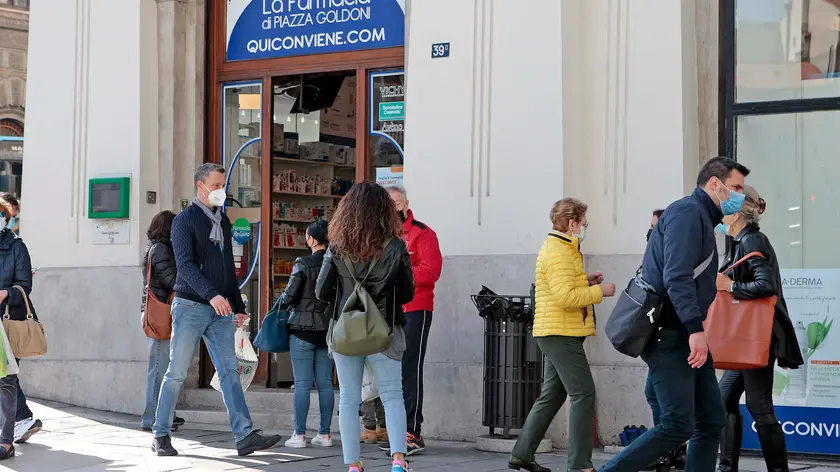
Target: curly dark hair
(160, 229)
(365, 219)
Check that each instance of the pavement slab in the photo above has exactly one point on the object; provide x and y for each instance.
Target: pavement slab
(81, 440)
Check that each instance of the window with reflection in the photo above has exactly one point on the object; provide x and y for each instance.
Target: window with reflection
(787, 49)
(796, 170)
(387, 125)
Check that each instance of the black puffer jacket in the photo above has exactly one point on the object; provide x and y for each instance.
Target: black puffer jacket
(164, 271)
(390, 284)
(306, 313)
(15, 269)
(758, 278)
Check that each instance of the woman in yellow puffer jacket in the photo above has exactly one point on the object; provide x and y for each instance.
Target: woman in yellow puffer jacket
(563, 318)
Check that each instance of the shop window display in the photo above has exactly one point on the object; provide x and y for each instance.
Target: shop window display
(796, 172)
(787, 49)
(387, 125)
(313, 150)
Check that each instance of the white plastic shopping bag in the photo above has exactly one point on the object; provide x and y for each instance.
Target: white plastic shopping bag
(246, 356)
(369, 389)
(11, 363)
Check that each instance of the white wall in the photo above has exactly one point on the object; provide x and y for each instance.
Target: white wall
(91, 111)
(595, 99)
(484, 142)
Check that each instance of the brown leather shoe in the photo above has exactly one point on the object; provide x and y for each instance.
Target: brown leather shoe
(368, 436)
(381, 434)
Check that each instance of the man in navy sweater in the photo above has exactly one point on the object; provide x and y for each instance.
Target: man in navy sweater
(206, 298)
(681, 261)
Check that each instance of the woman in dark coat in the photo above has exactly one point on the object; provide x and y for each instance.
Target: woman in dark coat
(757, 278)
(15, 271)
(366, 246)
(307, 325)
(162, 282)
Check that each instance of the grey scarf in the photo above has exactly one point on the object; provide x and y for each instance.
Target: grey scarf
(216, 234)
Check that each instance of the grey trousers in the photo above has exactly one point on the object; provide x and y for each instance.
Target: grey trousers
(8, 408)
(566, 373)
(373, 414)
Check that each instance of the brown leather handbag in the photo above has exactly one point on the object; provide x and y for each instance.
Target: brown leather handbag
(26, 336)
(157, 319)
(739, 331)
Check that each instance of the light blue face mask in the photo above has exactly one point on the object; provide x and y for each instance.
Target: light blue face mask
(722, 229)
(733, 204)
(12, 223)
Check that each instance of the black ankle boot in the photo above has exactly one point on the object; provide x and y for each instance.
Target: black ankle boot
(730, 443)
(773, 447)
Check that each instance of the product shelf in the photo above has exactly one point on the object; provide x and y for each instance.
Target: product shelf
(306, 162)
(307, 195)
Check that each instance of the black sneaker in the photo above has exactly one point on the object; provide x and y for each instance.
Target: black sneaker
(7, 453)
(178, 421)
(256, 442)
(162, 446)
(516, 463)
(415, 444)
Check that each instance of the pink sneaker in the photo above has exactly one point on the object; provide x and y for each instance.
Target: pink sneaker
(400, 466)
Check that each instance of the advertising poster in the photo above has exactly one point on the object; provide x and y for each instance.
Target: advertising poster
(264, 29)
(389, 176)
(807, 399)
(387, 107)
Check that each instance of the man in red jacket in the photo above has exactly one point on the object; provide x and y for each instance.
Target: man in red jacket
(426, 261)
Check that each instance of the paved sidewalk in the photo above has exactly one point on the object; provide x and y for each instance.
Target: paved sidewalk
(77, 439)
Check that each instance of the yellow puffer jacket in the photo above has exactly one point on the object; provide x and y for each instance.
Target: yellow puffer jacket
(564, 297)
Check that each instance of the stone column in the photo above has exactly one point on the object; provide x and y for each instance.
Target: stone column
(708, 73)
(181, 73)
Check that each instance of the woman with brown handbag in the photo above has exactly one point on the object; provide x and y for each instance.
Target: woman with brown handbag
(159, 278)
(758, 277)
(15, 286)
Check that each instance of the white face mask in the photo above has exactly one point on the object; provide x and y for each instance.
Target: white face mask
(216, 197)
(582, 235)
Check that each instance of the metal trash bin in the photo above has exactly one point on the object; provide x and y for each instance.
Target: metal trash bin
(513, 364)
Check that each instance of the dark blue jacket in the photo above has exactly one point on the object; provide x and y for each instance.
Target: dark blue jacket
(682, 239)
(15, 269)
(204, 271)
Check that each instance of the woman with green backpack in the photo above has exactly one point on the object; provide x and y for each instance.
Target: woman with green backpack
(367, 277)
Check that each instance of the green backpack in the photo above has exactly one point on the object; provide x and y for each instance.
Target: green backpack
(361, 329)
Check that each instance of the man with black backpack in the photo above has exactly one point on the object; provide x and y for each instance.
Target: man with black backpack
(681, 261)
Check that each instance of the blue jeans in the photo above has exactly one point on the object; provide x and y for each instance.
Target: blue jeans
(23, 411)
(158, 363)
(689, 408)
(650, 395)
(192, 321)
(388, 374)
(309, 363)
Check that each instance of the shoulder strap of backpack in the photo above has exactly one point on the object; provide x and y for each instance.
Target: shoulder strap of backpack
(352, 268)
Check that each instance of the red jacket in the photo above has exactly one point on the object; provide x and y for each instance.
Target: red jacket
(426, 261)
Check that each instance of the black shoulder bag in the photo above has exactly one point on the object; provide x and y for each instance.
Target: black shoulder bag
(634, 319)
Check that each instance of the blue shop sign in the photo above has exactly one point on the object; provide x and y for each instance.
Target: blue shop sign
(807, 429)
(263, 29)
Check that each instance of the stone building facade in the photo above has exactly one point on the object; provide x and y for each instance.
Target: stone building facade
(14, 40)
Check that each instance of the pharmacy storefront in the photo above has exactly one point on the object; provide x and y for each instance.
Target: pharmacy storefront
(307, 98)
(782, 113)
